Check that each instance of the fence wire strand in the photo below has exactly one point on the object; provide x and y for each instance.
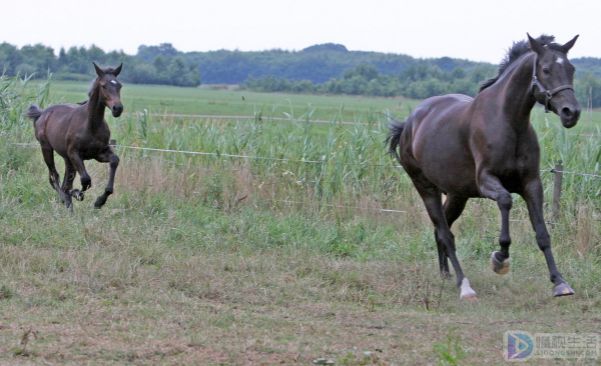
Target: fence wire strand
(595, 176)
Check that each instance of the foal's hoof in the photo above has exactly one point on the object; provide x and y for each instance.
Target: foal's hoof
(79, 195)
(563, 289)
(499, 267)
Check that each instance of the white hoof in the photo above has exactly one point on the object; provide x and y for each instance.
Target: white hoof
(467, 293)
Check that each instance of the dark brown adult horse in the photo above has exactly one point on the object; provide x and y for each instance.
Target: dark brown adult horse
(486, 147)
(79, 133)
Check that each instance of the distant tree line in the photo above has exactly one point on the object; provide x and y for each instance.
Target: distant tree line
(326, 68)
(76, 64)
(418, 82)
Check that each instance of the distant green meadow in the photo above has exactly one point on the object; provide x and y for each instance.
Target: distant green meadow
(221, 100)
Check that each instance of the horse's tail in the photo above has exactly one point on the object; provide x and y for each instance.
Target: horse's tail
(394, 136)
(33, 112)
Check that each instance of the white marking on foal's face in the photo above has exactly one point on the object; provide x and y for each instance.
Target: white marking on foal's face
(560, 60)
(113, 82)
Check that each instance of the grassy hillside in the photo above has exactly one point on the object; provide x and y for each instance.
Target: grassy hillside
(285, 256)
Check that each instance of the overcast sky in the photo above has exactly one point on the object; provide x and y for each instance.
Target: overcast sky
(478, 30)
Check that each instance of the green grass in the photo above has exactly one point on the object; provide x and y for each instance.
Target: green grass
(214, 260)
(208, 101)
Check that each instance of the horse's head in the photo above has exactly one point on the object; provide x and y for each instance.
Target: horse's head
(109, 88)
(553, 78)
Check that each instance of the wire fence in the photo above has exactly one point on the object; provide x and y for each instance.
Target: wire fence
(557, 171)
(552, 170)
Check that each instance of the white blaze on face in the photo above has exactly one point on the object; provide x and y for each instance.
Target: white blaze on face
(113, 82)
(560, 60)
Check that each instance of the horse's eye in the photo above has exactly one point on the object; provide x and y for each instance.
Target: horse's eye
(546, 71)
(103, 86)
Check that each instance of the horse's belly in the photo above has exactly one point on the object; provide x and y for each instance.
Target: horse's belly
(455, 182)
(451, 170)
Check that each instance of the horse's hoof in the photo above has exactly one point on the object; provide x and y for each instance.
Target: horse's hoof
(470, 298)
(563, 289)
(446, 275)
(499, 267)
(100, 201)
(467, 293)
(79, 195)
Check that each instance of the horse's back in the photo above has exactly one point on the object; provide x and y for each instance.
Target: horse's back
(437, 139)
(439, 108)
(53, 124)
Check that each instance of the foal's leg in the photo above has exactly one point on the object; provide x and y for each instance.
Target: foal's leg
(68, 179)
(491, 187)
(84, 177)
(444, 237)
(453, 207)
(113, 160)
(533, 195)
(54, 178)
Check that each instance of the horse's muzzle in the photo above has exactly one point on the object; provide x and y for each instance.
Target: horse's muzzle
(569, 115)
(116, 110)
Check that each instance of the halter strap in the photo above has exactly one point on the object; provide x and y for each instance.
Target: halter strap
(548, 93)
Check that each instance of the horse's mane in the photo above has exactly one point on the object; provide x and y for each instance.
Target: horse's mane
(515, 52)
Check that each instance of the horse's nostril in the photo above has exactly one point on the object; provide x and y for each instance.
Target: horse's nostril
(567, 112)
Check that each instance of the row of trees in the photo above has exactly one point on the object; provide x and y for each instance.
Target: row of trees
(76, 64)
(415, 83)
(327, 68)
(418, 82)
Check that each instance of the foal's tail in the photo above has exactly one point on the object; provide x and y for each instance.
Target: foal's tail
(33, 112)
(394, 136)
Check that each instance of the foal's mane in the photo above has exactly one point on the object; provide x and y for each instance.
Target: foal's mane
(515, 52)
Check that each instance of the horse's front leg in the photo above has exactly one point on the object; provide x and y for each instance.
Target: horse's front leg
(113, 161)
(490, 187)
(533, 195)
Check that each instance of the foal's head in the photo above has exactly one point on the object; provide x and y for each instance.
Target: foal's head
(109, 88)
(555, 73)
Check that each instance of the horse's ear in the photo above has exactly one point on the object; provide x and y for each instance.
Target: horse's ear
(534, 45)
(118, 70)
(568, 46)
(99, 71)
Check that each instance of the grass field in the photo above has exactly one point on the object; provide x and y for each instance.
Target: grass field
(255, 261)
(215, 101)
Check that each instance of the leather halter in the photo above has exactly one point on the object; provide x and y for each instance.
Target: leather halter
(548, 93)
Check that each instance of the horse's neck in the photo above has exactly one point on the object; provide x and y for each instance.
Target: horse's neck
(518, 100)
(95, 109)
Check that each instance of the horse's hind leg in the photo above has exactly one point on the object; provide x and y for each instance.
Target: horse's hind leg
(54, 178)
(113, 161)
(444, 237)
(68, 179)
(453, 207)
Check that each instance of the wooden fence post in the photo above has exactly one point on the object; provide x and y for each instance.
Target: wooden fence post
(557, 178)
